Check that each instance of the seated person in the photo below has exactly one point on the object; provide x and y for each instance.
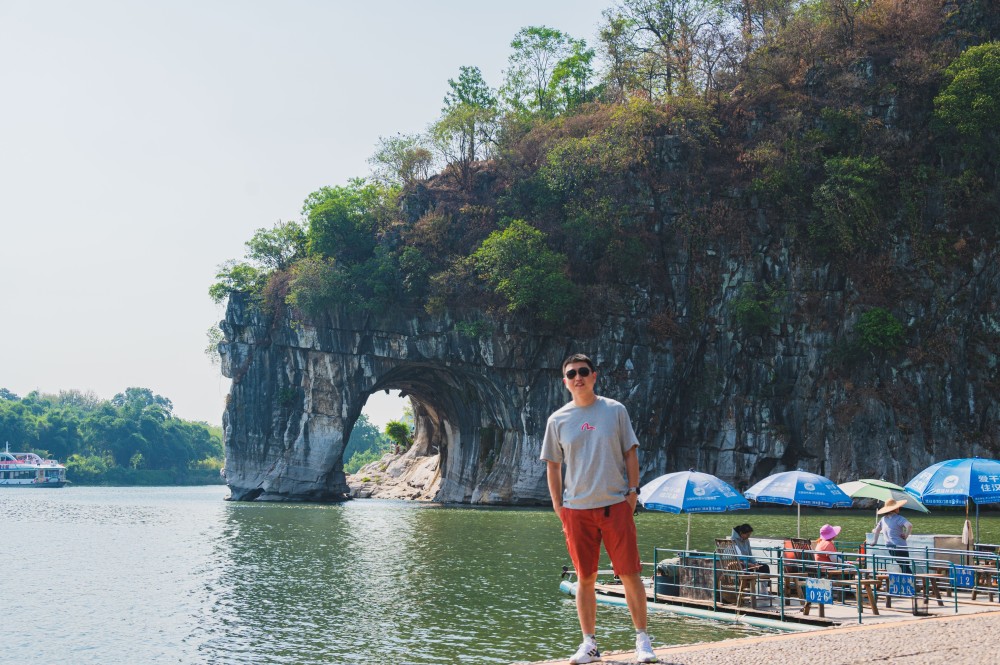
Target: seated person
(741, 541)
(825, 547)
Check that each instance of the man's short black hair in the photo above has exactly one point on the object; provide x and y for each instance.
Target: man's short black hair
(579, 358)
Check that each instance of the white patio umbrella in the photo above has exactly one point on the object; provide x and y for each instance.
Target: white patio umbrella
(880, 490)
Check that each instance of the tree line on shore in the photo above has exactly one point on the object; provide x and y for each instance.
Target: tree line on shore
(131, 439)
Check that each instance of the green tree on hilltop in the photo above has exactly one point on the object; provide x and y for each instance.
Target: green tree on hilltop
(571, 78)
(344, 222)
(237, 276)
(465, 133)
(268, 250)
(666, 47)
(401, 159)
(348, 260)
(538, 50)
(278, 247)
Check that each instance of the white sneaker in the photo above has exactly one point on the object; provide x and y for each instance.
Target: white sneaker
(587, 653)
(644, 650)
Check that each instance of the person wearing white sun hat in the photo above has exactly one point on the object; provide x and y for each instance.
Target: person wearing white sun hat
(897, 529)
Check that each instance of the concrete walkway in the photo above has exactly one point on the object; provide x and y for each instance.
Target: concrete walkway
(950, 640)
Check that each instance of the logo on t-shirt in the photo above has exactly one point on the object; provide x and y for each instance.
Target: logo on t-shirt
(586, 427)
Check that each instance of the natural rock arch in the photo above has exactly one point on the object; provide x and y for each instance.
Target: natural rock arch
(460, 418)
(480, 403)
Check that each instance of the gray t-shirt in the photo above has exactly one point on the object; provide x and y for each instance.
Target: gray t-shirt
(592, 442)
(894, 527)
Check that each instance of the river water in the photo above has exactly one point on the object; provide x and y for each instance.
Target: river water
(178, 575)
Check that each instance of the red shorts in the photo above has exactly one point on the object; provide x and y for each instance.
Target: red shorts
(586, 529)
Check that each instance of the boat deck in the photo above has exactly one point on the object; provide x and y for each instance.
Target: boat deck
(799, 615)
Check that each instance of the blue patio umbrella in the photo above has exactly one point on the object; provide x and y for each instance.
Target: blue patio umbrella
(691, 492)
(955, 482)
(801, 488)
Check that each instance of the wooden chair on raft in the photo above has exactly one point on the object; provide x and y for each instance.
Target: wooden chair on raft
(799, 564)
(737, 584)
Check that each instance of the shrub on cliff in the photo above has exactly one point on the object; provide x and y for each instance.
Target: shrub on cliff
(969, 101)
(966, 112)
(755, 309)
(879, 331)
(316, 284)
(529, 276)
(848, 205)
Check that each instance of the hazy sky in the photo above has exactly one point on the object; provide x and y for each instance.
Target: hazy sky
(142, 142)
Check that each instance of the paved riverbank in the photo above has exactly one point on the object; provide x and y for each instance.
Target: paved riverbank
(951, 640)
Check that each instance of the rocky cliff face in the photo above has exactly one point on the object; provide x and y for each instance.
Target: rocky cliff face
(735, 402)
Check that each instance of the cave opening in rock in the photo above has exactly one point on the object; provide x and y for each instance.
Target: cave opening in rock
(460, 420)
(369, 439)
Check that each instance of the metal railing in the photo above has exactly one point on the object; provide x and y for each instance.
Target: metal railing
(980, 561)
(708, 576)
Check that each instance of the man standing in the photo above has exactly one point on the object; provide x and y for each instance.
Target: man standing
(593, 437)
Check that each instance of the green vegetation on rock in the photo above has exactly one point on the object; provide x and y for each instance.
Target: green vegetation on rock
(879, 331)
(530, 277)
(592, 174)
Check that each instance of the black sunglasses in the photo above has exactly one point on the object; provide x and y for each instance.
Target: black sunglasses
(584, 372)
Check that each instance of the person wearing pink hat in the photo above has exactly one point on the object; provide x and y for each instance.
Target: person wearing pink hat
(825, 548)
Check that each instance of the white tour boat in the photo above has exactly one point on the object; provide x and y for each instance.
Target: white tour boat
(30, 470)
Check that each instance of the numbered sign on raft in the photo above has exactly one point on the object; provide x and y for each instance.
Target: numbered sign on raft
(901, 584)
(965, 577)
(819, 591)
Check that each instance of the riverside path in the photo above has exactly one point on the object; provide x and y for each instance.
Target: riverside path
(945, 640)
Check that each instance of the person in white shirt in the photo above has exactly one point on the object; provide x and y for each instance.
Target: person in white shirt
(896, 529)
